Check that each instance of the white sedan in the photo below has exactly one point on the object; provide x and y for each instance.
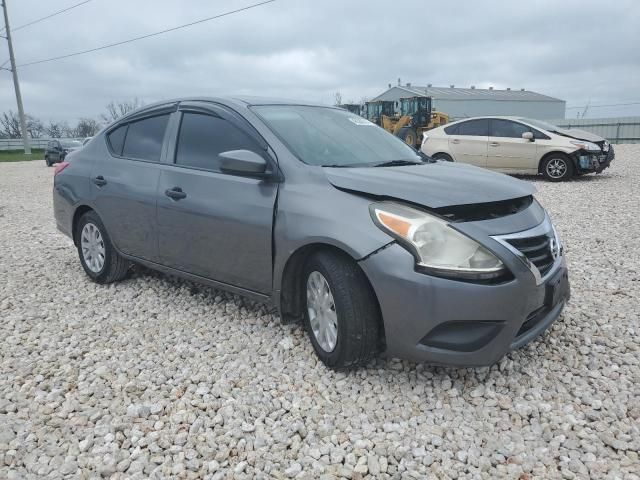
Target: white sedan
(519, 145)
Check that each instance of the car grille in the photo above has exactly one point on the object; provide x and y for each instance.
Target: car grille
(537, 250)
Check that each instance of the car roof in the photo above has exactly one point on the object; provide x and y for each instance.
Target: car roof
(499, 117)
(231, 100)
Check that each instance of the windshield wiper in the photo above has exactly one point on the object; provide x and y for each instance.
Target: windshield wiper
(398, 163)
(348, 165)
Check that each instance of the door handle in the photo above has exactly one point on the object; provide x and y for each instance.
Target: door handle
(175, 193)
(455, 140)
(494, 144)
(99, 181)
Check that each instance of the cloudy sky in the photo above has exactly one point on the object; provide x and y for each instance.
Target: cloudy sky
(580, 51)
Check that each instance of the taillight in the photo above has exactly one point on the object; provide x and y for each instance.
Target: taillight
(60, 167)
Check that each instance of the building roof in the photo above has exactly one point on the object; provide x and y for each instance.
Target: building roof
(452, 93)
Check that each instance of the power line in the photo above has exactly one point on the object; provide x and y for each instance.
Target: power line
(48, 16)
(82, 52)
(607, 105)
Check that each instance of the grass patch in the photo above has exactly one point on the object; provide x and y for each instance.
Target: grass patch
(19, 156)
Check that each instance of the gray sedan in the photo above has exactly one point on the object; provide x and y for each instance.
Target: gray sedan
(376, 247)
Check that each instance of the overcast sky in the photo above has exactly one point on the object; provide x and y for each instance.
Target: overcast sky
(579, 51)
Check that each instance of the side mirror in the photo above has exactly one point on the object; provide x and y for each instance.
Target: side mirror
(528, 136)
(243, 162)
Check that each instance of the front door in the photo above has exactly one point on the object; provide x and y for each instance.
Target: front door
(508, 151)
(468, 143)
(217, 225)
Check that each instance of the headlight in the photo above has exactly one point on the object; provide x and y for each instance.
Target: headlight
(437, 247)
(586, 145)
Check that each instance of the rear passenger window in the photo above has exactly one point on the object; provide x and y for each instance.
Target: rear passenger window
(116, 139)
(474, 128)
(202, 137)
(452, 129)
(144, 138)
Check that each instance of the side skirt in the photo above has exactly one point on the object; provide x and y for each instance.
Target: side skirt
(259, 297)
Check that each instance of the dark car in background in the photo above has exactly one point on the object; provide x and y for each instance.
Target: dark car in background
(374, 246)
(57, 150)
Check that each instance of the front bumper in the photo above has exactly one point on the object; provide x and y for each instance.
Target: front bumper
(589, 162)
(449, 322)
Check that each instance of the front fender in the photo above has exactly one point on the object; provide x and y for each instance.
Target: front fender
(311, 214)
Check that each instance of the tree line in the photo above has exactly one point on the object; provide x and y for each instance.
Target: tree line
(85, 127)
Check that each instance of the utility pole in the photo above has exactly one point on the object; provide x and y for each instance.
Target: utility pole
(16, 84)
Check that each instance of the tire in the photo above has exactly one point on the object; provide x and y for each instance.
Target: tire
(443, 156)
(113, 267)
(355, 311)
(408, 135)
(46, 160)
(557, 167)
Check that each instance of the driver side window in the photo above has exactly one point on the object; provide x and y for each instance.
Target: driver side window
(509, 129)
(202, 137)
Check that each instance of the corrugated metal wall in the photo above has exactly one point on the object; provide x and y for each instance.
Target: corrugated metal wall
(458, 109)
(616, 130)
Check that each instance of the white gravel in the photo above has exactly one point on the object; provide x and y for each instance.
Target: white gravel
(157, 377)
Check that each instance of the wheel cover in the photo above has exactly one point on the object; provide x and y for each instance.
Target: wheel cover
(556, 168)
(322, 312)
(92, 246)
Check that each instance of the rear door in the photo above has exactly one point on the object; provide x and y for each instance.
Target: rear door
(221, 227)
(468, 142)
(125, 182)
(508, 151)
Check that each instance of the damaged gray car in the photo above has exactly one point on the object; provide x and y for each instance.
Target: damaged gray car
(375, 247)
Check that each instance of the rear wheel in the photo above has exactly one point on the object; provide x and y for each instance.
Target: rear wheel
(408, 135)
(442, 156)
(47, 161)
(100, 260)
(341, 315)
(557, 167)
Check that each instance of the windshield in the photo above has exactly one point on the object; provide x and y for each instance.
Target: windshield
(540, 124)
(331, 137)
(70, 143)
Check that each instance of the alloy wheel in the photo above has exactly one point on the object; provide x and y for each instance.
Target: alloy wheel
(556, 168)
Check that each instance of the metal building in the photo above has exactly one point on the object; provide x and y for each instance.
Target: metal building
(473, 102)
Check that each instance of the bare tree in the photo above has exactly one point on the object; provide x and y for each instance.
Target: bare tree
(57, 129)
(87, 127)
(35, 128)
(337, 99)
(10, 125)
(115, 110)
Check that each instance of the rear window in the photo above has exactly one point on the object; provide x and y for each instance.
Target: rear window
(144, 138)
(116, 139)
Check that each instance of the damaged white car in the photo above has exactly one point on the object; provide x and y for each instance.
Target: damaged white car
(521, 146)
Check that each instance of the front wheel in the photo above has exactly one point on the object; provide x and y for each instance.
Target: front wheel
(100, 260)
(408, 135)
(557, 168)
(341, 315)
(47, 161)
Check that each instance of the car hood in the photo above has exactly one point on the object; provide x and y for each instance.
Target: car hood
(432, 185)
(580, 134)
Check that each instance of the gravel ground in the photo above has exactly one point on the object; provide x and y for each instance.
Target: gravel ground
(157, 377)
